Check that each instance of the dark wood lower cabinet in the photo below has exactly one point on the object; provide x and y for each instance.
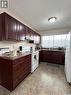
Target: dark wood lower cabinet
(50, 56)
(14, 71)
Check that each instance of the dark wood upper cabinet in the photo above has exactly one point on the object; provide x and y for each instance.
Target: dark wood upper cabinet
(22, 32)
(1, 33)
(27, 32)
(31, 34)
(9, 28)
(12, 29)
(21, 29)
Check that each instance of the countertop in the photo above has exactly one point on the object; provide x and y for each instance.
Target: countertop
(54, 50)
(12, 57)
(19, 55)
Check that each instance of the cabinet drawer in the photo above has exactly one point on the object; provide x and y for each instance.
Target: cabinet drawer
(20, 69)
(18, 61)
(21, 65)
(19, 72)
(21, 77)
(24, 59)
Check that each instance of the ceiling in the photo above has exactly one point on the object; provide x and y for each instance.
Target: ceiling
(37, 13)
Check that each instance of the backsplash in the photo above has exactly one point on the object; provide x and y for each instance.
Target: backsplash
(13, 46)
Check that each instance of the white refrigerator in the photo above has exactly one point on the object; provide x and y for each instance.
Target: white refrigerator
(68, 58)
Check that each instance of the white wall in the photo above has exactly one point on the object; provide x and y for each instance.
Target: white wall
(55, 31)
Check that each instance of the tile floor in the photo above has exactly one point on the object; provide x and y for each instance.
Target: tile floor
(48, 79)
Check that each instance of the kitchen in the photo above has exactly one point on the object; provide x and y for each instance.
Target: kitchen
(33, 56)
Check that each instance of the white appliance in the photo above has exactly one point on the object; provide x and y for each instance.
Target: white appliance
(34, 56)
(35, 60)
(68, 58)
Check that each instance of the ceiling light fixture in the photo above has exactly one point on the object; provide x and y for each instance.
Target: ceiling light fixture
(52, 19)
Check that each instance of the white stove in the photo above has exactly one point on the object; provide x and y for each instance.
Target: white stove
(35, 61)
(34, 56)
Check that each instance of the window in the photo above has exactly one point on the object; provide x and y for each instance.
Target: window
(47, 41)
(53, 41)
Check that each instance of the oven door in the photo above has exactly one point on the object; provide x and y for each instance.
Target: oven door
(35, 61)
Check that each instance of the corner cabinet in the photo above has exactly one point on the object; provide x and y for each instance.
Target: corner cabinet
(12, 29)
(52, 56)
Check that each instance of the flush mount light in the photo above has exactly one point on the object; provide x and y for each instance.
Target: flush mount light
(52, 19)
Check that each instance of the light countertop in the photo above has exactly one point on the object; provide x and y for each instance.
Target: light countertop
(12, 57)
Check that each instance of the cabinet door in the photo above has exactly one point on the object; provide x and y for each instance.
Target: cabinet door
(10, 28)
(41, 56)
(22, 31)
(58, 57)
(1, 28)
(31, 34)
(36, 38)
(46, 56)
(27, 32)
